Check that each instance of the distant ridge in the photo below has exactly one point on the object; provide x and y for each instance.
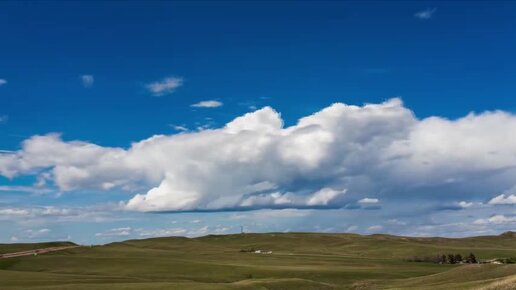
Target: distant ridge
(510, 234)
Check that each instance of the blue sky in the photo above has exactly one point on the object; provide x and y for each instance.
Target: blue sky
(105, 75)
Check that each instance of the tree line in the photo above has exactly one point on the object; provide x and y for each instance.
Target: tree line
(446, 259)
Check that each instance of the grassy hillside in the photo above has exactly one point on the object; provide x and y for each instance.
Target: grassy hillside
(298, 261)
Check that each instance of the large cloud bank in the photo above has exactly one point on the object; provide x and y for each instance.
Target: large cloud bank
(333, 158)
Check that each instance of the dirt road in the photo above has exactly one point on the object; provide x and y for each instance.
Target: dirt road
(35, 252)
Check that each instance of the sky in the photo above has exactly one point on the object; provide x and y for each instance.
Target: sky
(123, 120)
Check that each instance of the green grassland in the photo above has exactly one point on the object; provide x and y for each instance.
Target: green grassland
(298, 261)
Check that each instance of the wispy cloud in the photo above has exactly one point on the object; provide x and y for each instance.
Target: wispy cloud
(375, 228)
(425, 14)
(207, 104)
(178, 231)
(36, 215)
(3, 119)
(38, 234)
(31, 234)
(87, 80)
(368, 200)
(180, 128)
(496, 220)
(3, 82)
(117, 232)
(271, 214)
(165, 86)
(27, 189)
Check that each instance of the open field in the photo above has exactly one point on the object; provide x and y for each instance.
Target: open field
(298, 261)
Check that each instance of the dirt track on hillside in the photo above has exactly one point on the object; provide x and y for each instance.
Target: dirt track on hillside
(35, 252)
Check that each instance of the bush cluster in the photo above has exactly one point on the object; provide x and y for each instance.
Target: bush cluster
(507, 260)
(251, 250)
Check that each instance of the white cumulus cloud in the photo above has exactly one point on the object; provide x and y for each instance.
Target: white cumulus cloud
(331, 158)
(3, 82)
(504, 199)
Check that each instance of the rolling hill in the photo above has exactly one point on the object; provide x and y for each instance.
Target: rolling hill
(297, 261)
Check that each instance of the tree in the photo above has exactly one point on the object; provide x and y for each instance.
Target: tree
(458, 258)
(451, 259)
(472, 259)
(443, 259)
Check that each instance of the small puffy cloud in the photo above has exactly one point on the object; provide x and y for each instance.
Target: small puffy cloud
(3, 119)
(87, 80)
(465, 204)
(207, 104)
(503, 199)
(164, 87)
(425, 14)
(3, 82)
(496, 220)
(368, 200)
